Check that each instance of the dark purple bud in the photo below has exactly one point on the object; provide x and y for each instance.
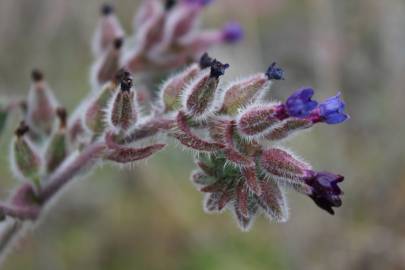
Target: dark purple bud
(274, 72)
(61, 113)
(205, 61)
(325, 190)
(22, 129)
(126, 84)
(300, 104)
(331, 111)
(121, 74)
(107, 9)
(118, 42)
(37, 75)
(232, 32)
(218, 69)
(169, 4)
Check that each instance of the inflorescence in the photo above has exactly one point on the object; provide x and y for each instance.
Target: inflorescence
(234, 131)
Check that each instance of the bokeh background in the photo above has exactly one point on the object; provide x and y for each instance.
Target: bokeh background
(151, 217)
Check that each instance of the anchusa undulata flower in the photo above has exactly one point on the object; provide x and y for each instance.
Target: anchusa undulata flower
(233, 129)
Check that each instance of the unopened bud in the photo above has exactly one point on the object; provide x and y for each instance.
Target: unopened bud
(283, 165)
(255, 121)
(173, 88)
(241, 93)
(180, 21)
(107, 66)
(41, 105)
(108, 30)
(25, 157)
(205, 61)
(199, 96)
(57, 148)
(123, 110)
(169, 4)
(199, 178)
(274, 72)
(147, 11)
(287, 128)
(94, 117)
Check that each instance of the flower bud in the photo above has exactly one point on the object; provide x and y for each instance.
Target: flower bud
(57, 148)
(200, 95)
(108, 30)
(257, 120)
(147, 11)
(107, 65)
(94, 117)
(122, 112)
(287, 128)
(25, 157)
(283, 165)
(241, 93)
(180, 21)
(199, 178)
(174, 86)
(150, 33)
(41, 105)
(217, 129)
(197, 43)
(205, 61)
(274, 72)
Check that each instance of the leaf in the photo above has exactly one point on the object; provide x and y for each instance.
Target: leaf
(126, 155)
(273, 201)
(187, 138)
(251, 180)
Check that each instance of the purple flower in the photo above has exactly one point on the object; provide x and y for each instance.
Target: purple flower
(274, 72)
(325, 190)
(232, 32)
(300, 104)
(332, 110)
(107, 9)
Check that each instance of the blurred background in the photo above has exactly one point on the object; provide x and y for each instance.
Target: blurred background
(151, 216)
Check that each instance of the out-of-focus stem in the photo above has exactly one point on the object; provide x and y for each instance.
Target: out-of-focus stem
(56, 182)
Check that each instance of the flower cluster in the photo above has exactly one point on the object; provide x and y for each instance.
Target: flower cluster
(166, 36)
(233, 129)
(236, 133)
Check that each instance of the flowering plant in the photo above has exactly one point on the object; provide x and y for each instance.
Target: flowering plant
(232, 128)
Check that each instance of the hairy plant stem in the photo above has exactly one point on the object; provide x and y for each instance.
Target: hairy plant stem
(56, 182)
